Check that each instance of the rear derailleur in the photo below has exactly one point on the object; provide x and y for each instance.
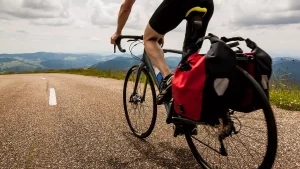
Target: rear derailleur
(227, 130)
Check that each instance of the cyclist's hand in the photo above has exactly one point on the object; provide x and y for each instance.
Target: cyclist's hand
(161, 41)
(114, 38)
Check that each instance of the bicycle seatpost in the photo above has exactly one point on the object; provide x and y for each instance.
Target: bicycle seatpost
(192, 34)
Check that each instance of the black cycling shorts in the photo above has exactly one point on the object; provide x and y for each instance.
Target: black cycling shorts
(170, 14)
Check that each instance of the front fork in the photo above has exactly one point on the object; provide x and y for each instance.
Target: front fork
(134, 97)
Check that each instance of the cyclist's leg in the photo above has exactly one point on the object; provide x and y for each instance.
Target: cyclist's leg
(156, 55)
(166, 17)
(154, 50)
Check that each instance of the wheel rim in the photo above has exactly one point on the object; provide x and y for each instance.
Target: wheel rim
(245, 150)
(140, 111)
(254, 146)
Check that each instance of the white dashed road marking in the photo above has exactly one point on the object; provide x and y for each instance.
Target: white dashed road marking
(52, 97)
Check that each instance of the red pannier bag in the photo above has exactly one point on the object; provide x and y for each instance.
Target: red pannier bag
(201, 94)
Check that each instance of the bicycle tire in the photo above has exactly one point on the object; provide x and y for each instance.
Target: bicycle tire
(125, 100)
(270, 154)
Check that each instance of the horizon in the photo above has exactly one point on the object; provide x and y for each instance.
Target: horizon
(278, 55)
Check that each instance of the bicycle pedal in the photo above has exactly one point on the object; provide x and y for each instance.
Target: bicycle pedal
(177, 131)
(194, 132)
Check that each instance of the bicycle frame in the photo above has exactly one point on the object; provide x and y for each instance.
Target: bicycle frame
(227, 124)
(146, 62)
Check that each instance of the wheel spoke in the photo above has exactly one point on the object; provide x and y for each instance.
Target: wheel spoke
(143, 101)
(248, 147)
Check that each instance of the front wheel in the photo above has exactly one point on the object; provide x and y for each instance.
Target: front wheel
(140, 105)
(250, 138)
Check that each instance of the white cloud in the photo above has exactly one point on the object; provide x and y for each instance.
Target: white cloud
(32, 9)
(9, 39)
(294, 4)
(102, 14)
(22, 31)
(94, 39)
(39, 12)
(105, 13)
(46, 5)
(264, 12)
(86, 26)
(53, 21)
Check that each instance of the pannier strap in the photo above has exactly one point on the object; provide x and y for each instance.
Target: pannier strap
(252, 45)
(232, 39)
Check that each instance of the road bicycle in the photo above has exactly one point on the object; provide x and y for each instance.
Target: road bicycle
(223, 145)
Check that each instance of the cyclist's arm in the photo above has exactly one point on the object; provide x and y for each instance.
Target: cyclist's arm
(124, 13)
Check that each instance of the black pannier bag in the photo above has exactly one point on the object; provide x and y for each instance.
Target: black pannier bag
(258, 64)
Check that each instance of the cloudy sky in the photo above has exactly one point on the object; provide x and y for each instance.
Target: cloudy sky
(87, 25)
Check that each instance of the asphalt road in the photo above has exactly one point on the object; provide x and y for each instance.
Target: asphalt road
(85, 127)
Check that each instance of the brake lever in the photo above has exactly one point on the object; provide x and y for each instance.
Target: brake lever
(118, 42)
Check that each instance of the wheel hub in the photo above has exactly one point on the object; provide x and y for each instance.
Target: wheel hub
(135, 99)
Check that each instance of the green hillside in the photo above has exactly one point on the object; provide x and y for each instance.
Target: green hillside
(124, 63)
(287, 67)
(43, 61)
(281, 66)
(19, 65)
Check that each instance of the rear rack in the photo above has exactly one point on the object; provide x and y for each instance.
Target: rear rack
(244, 57)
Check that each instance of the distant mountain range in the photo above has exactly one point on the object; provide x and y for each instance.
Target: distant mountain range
(43, 60)
(125, 63)
(286, 66)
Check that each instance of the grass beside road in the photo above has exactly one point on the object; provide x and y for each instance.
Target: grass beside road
(283, 94)
(115, 74)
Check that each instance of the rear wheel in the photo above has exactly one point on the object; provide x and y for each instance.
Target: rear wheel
(140, 107)
(249, 140)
